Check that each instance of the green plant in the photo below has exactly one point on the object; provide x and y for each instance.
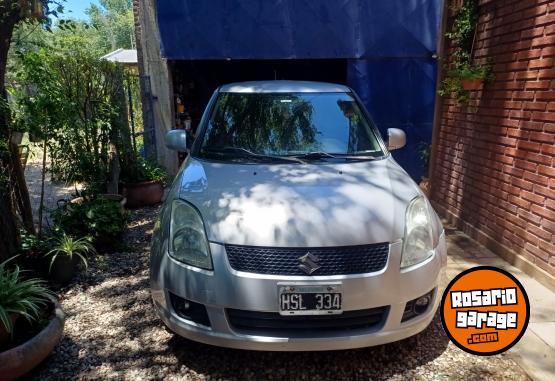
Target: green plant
(66, 246)
(18, 296)
(424, 151)
(464, 26)
(462, 34)
(144, 170)
(100, 219)
(77, 103)
(468, 71)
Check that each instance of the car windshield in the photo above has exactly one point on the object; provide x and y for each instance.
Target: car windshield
(262, 126)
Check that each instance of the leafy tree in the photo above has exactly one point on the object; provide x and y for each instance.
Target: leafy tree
(14, 197)
(75, 102)
(114, 24)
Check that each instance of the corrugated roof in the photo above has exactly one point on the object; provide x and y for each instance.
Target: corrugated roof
(124, 56)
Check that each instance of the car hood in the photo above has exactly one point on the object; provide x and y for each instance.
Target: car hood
(298, 205)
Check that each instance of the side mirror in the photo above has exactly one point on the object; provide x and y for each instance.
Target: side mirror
(177, 140)
(396, 139)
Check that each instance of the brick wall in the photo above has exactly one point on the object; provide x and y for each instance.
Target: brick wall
(494, 166)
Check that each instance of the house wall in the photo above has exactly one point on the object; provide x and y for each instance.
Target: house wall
(493, 169)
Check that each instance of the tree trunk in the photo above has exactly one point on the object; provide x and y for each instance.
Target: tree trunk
(9, 233)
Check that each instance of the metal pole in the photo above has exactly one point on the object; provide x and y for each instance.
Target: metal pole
(131, 114)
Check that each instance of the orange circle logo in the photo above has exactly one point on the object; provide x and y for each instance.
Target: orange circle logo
(485, 310)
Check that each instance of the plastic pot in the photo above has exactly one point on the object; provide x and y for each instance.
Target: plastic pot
(63, 268)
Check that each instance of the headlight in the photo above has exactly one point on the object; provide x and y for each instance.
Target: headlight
(188, 238)
(419, 243)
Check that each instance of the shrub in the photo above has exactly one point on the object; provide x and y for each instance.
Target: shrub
(100, 219)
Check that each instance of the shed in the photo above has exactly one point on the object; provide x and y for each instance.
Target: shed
(386, 50)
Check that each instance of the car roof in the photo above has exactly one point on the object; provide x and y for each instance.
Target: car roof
(283, 87)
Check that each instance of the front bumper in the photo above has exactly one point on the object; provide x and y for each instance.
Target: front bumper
(391, 288)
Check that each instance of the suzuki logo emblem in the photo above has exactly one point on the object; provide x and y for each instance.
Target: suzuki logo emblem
(309, 263)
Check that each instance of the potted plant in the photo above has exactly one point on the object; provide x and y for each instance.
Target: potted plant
(67, 253)
(24, 344)
(473, 76)
(143, 183)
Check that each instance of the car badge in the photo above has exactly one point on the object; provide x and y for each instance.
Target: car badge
(309, 263)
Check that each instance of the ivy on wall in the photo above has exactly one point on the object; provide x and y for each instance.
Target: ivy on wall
(463, 75)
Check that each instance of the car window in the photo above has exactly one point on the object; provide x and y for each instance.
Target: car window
(279, 124)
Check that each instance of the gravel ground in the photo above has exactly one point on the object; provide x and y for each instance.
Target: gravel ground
(112, 332)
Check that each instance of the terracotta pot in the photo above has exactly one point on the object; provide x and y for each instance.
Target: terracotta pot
(471, 83)
(143, 194)
(20, 360)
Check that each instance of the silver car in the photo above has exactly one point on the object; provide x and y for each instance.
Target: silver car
(290, 227)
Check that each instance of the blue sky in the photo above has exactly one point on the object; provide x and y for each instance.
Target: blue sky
(77, 8)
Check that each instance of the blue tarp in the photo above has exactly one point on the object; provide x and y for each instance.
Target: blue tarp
(390, 46)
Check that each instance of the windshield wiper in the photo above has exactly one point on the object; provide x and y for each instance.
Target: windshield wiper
(320, 155)
(314, 155)
(244, 153)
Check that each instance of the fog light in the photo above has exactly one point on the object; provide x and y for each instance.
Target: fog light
(421, 304)
(417, 306)
(189, 310)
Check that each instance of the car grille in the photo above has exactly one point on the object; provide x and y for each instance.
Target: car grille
(272, 323)
(285, 261)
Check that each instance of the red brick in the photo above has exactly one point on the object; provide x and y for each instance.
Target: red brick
(524, 95)
(522, 184)
(535, 106)
(546, 73)
(536, 251)
(548, 149)
(545, 95)
(541, 63)
(542, 137)
(545, 170)
(543, 41)
(534, 198)
(528, 54)
(548, 116)
(529, 146)
(532, 125)
(519, 202)
(535, 178)
(528, 74)
(544, 212)
(548, 51)
(537, 85)
(542, 234)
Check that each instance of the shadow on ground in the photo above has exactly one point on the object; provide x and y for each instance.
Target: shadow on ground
(112, 332)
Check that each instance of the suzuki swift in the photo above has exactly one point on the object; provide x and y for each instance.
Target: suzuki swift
(291, 227)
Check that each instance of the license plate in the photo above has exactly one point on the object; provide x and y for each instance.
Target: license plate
(310, 300)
